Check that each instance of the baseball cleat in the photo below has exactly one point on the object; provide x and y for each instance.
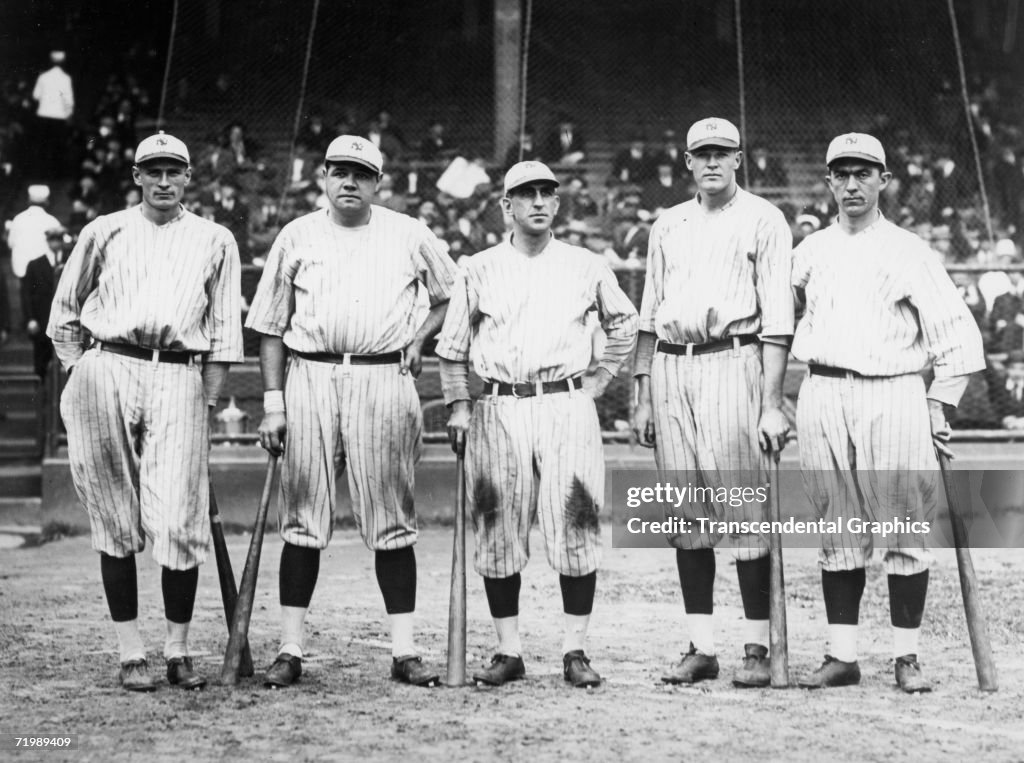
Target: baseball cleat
(284, 671)
(695, 666)
(410, 669)
(756, 671)
(180, 673)
(503, 668)
(832, 672)
(134, 676)
(577, 670)
(909, 675)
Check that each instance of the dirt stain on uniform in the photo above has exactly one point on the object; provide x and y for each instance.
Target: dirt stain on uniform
(485, 502)
(138, 432)
(580, 506)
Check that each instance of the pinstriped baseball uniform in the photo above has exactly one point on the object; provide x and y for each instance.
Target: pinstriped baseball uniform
(878, 303)
(137, 429)
(524, 319)
(331, 289)
(711, 276)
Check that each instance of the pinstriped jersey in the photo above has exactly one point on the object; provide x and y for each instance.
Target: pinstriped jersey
(175, 286)
(712, 275)
(880, 303)
(524, 319)
(328, 288)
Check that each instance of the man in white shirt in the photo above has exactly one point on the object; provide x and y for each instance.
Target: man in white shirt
(55, 100)
(26, 233)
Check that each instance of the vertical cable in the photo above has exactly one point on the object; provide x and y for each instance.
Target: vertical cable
(298, 111)
(167, 67)
(743, 92)
(970, 122)
(523, 72)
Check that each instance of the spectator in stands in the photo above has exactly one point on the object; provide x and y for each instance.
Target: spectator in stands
(26, 233)
(233, 213)
(313, 136)
(765, 171)
(952, 188)
(37, 289)
(435, 146)
(994, 283)
(382, 132)
(630, 227)
(632, 164)
(524, 147)
(822, 205)
(565, 144)
(428, 214)
(671, 153)
(1007, 318)
(805, 225)
(387, 197)
(132, 197)
(55, 105)
(1008, 189)
(1007, 391)
(664, 190)
(575, 201)
(920, 196)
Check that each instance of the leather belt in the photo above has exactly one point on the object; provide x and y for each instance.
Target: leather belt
(532, 389)
(733, 342)
(142, 353)
(349, 358)
(836, 373)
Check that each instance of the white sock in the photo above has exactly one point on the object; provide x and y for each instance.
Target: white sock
(905, 641)
(402, 642)
(129, 640)
(575, 632)
(702, 633)
(292, 619)
(756, 632)
(843, 642)
(507, 629)
(176, 644)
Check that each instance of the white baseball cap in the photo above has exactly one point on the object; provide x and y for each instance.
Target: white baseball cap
(352, 148)
(855, 145)
(38, 194)
(161, 146)
(528, 172)
(712, 132)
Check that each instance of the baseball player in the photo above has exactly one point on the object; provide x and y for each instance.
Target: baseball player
(157, 291)
(715, 323)
(879, 307)
(520, 311)
(340, 296)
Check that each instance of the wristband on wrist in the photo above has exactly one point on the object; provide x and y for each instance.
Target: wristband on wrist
(273, 401)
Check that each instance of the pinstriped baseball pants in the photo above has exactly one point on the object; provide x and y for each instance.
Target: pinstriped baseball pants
(535, 458)
(706, 410)
(866, 451)
(138, 443)
(365, 419)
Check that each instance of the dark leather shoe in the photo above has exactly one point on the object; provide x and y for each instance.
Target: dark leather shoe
(577, 671)
(134, 676)
(909, 675)
(285, 671)
(694, 667)
(503, 667)
(180, 673)
(757, 669)
(411, 670)
(832, 672)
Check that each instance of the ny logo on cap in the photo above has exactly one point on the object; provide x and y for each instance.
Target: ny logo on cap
(851, 140)
(161, 142)
(357, 146)
(712, 125)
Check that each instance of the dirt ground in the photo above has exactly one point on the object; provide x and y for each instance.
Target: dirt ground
(57, 649)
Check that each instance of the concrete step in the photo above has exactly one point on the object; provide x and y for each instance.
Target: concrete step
(20, 482)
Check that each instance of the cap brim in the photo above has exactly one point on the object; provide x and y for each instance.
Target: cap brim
(716, 142)
(855, 155)
(151, 157)
(521, 183)
(351, 160)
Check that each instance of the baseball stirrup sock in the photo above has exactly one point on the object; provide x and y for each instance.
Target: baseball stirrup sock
(503, 596)
(121, 586)
(507, 629)
(402, 641)
(297, 576)
(292, 619)
(907, 594)
(129, 640)
(697, 580)
(396, 576)
(754, 576)
(575, 632)
(179, 587)
(176, 644)
(578, 594)
(842, 592)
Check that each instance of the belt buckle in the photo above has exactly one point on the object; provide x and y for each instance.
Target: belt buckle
(527, 385)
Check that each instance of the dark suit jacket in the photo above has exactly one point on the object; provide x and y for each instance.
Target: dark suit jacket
(554, 150)
(1006, 307)
(37, 289)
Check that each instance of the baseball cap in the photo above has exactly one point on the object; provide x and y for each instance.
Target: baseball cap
(161, 146)
(38, 194)
(352, 148)
(1004, 246)
(811, 220)
(528, 172)
(57, 56)
(712, 132)
(855, 145)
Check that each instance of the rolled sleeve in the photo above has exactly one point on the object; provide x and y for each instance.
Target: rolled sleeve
(274, 302)
(453, 343)
(619, 320)
(775, 274)
(77, 281)
(436, 268)
(654, 281)
(950, 333)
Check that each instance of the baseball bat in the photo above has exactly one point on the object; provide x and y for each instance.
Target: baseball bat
(778, 640)
(457, 599)
(976, 626)
(238, 634)
(228, 590)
